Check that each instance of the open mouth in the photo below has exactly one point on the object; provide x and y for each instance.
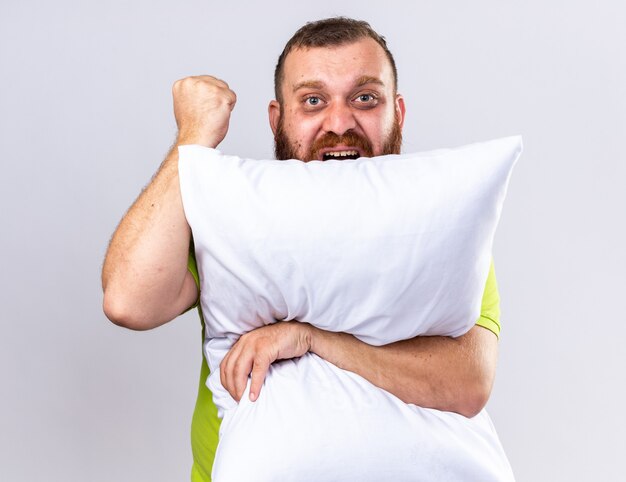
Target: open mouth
(341, 155)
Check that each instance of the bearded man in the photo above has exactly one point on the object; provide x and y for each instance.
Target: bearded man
(336, 98)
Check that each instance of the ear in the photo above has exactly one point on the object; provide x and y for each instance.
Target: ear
(274, 113)
(400, 109)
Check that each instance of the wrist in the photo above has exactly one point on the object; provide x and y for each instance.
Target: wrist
(187, 138)
(313, 338)
(307, 335)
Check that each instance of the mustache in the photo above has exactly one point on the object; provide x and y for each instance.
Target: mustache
(349, 138)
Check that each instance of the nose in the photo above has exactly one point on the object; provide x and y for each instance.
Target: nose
(339, 119)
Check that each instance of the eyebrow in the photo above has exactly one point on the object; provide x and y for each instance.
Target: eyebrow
(308, 84)
(367, 79)
(318, 84)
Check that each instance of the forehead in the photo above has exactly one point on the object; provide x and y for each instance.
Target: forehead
(337, 66)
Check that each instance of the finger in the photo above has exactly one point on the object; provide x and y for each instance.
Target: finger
(259, 370)
(210, 79)
(226, 371)
(243, 367)
(232, 99)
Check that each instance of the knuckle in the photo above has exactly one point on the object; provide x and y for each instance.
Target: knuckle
(177, 85)
(258, 350)
(238, 366)
(260, 362)
(182, 85)
(220, 82)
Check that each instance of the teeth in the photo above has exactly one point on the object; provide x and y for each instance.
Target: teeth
(342, 153)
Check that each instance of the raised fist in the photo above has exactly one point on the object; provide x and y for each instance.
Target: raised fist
(202, 107)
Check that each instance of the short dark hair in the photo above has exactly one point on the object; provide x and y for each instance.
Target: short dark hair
(330, 32)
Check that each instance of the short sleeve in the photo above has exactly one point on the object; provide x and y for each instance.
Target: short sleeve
(490, 307)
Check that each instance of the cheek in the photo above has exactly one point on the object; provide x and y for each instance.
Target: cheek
(375, 130)
(378, 128)
(302, 129)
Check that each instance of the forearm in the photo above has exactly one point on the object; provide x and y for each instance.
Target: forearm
(452, 374)
(144, 277)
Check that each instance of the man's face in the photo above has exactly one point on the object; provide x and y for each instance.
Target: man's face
(338, 103)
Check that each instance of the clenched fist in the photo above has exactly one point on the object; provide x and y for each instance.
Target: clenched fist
(202, 107)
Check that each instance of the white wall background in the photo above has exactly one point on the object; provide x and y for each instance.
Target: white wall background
(86, 118)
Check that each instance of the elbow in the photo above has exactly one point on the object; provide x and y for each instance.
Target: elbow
(473, 399)
(125, 313)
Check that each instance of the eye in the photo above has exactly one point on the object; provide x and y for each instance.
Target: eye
(366, 100)
(312, 101)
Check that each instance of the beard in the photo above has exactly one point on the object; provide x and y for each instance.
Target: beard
(285, 149)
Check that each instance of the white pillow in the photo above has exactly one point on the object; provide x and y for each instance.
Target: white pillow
(385, 248)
